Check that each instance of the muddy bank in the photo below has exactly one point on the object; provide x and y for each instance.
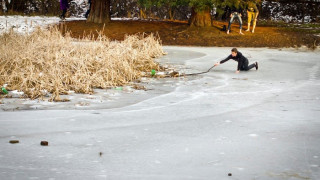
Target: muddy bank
(179, 33)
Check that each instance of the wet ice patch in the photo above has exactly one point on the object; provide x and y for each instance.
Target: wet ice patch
(157, 162)
(102, 176)
(214, 162)
(221, 138)
(82, 104)
(36, 106)
(67, 156)
(33, 177)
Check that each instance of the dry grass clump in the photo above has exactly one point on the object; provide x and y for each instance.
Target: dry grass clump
(48, 62)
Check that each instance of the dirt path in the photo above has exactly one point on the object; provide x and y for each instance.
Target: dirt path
(179, 33)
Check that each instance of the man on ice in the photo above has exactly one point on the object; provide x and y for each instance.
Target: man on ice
(243, 63)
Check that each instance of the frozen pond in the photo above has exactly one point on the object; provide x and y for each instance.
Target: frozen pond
(255, 125)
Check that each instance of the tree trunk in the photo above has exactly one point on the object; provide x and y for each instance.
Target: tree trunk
(200, 19)
(12, 5)
(303, 12)
(100, 11)
(171, 13)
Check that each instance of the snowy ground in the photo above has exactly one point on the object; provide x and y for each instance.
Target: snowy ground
(255, 125)
(27, 24)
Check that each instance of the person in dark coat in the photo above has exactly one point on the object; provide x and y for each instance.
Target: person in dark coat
(64, 5)
(243, 63)
(89, 8)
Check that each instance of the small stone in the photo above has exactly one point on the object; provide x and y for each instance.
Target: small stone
(229, 174)
(44, 143)
(14, 141)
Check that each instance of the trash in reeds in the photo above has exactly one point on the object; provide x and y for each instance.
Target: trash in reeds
(48, 61)
(118, 88)
(138, 87)
(174, 74)
(153, 72)
(59, 100)
(240, 78)
(4, 91)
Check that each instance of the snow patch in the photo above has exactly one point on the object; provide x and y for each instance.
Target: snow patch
(26, 25)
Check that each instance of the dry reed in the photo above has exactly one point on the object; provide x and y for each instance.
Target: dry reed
(47, 61)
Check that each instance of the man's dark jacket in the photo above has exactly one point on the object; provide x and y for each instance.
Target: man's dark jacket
(242, 61)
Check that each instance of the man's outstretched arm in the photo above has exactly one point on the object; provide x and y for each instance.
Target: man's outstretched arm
(223, 61)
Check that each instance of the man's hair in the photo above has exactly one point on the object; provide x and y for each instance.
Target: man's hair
(234, 50)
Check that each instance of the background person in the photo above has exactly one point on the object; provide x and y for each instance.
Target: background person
(64, 5)
(89, 8)
(252, 12)
(236, 11)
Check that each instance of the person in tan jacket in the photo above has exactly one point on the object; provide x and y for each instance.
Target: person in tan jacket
(252, 12)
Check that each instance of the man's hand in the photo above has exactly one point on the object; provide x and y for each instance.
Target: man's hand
(237, 72)
(216, 64)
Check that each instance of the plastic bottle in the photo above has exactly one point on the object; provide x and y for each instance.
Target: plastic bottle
(153, 72)
(119, 88)
(4, 91)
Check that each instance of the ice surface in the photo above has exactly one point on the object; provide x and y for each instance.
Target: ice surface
(256, 125)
